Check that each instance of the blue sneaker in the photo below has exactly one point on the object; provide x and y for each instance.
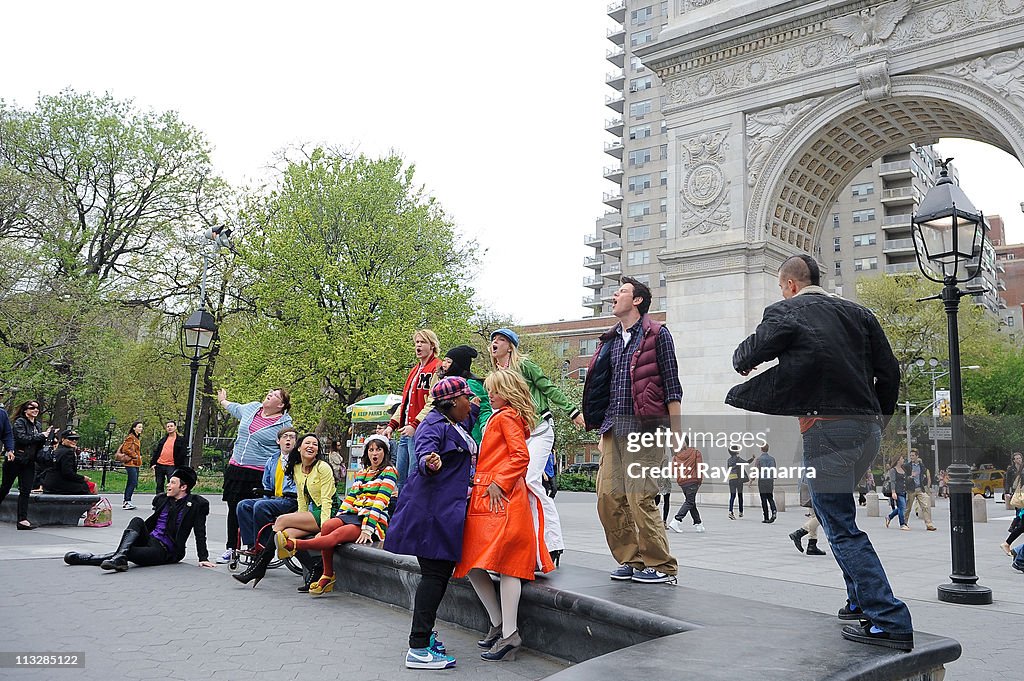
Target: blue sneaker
(428, 658)
(652, 576)
(623, 573)
(436, 645)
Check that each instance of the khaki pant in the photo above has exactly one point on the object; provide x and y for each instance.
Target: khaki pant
(811, 527)
(633, 527)
(924, 505)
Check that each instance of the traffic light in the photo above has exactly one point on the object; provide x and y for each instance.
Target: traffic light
(944, 410)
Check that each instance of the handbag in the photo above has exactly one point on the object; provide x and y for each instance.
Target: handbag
(1017, 500)
(100, 515)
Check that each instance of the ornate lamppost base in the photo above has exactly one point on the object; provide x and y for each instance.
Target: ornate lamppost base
(965, 594)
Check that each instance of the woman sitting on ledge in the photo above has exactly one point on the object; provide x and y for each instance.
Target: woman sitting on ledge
(363, 515)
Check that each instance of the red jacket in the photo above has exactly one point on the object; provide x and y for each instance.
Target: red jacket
(414, 395)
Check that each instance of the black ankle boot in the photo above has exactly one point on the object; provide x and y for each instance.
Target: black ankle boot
(797, 538)
(556, 555)
(118, 560)
(257, 569)
(812, 548)
(314, 570)
(74, 558)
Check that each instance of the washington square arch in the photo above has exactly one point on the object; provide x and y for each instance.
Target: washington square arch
(773, 107)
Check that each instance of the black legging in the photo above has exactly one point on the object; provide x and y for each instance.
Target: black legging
(25, 473)
(664, 511)
(735, 490)
(432, 587)
(146, 550)
(1016, 529)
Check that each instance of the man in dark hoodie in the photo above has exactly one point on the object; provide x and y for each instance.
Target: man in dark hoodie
(838, 375)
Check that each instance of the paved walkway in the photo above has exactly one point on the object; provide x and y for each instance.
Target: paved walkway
(181, 621)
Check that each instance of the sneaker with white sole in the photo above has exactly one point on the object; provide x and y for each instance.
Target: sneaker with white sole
(129, 506)
(622, 573)
(428, 658)
(699, 528)
(676, 525)
(652, 576)
(225, 557)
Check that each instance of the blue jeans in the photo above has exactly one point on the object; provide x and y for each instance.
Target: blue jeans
(133, 482)
(405, 457)
(253, 514)
(900, 510)
(840, 452)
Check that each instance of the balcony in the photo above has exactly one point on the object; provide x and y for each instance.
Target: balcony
(615, 79)
(1001, 284)
(613, 199)
(615, 102)
(617, 35)
(901, 221)
(593, 282)
(611, 222)
(895, 170)
(901, 195)
(612, 271)
(592, 240)
(607, 294)
(617, 11)
(613, 149)
(614, 126)
(902, 268)
(1002, 302)
(591, 301)
(593, 261)
(613, 174)
(898, 246)
(616, 56)
(612, 247)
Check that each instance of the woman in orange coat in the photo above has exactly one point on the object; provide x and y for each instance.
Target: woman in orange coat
(499, 533)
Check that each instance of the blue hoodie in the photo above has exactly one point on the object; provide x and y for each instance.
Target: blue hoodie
(253, 450)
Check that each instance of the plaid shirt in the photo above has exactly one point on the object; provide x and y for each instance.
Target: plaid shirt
(620, 407)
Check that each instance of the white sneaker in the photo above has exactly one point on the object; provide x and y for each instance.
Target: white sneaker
(129, 506)
(225, 557)
(699, 529)
(676, 525)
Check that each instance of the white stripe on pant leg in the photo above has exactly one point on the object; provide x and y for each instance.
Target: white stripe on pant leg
(539, 444)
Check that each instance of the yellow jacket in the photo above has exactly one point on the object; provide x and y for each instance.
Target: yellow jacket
(317, 487)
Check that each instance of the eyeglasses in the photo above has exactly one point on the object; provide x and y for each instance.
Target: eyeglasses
(34, 406)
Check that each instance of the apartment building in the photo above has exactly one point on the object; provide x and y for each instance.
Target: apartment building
(631, 233)
(1010, 270)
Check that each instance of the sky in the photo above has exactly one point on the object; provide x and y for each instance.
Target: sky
(500, 106)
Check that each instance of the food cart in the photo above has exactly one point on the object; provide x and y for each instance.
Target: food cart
(366, 414)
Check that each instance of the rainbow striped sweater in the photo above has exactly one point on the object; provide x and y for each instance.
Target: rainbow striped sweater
(369, 497)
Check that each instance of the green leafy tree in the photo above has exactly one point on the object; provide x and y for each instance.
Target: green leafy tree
(343, 261)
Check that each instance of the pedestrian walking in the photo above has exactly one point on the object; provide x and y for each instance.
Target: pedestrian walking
(405, 421)
(686, 463)
(838, 375)
(129, 454)
(258, 425)
(431, 514)
(897, 476)
(737, 475)
(632, 387)
(867, 484)
(809, 528)
(169, 454)
(1014, 482)
(545, 394)
(499, 533)
(26, 439)
(919, 481)
(766, 484)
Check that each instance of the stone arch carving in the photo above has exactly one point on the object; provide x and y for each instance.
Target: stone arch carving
(831, 141)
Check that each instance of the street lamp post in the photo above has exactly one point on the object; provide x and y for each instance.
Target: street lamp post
(109, 431)
(949, 231)
(200, 329)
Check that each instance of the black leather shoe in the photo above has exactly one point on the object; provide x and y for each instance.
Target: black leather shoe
(863, 634)
(28, 526)
(117, 563)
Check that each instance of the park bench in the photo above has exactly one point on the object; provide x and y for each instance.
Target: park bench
(49, 509)
(617, 630)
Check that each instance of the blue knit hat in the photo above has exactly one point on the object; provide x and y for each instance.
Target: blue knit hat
(511, 335)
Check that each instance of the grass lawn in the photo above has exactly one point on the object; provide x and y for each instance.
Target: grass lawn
(209, 482)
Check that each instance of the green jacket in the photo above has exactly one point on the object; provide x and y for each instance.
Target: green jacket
(477, 386)
(543, 391)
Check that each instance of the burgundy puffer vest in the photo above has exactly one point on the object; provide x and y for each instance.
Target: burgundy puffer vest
(648, 390)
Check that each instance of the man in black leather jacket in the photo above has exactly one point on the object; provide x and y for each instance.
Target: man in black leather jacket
(838, 374)
(160, 539)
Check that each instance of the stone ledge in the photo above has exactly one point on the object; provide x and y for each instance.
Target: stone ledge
(49, 509)
(616, 630)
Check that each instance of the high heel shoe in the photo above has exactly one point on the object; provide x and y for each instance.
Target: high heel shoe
(281, 541)
(504, 649)
(1006, 549)
(257, 570)
(324, 585)
(488, 641)
(555, 556)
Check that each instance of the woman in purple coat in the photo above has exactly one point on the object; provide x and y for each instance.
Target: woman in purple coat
(431, 511)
